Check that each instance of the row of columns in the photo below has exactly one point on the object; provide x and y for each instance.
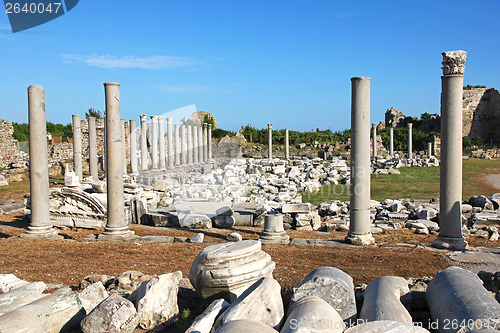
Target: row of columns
(391, 141)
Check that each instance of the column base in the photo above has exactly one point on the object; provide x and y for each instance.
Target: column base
(360, 240)
(274, 237)
(449, 243)
(45, 232)
(117, 234)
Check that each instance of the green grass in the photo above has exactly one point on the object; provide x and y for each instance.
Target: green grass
(415, 183)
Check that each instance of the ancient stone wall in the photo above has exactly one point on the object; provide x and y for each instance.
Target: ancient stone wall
(198, 117)
(483, 107)
(8, 146)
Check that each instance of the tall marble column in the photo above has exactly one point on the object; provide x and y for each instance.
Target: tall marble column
(144, 142)
(154, 139)
(40, 225)
(195, 144)
(450, 212)
(189, 145)
(177, 145)
(270, 141)
(374, 140)
(205, 142)
(161, 147)
(410, 140)
(116, 225)
(360, 226)
(391, 141)
(209, 141)
(200, 144)
(133, 146)
(77, 146)
(429, 149)
(183, 145)
(287, 145)
(170, 142)
(124, 146)
(93, 149)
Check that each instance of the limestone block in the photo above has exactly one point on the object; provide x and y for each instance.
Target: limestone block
(481, 201)
(382, 300)
(261, 300)
(59, 311)
(9, 282)
(205, 321)
(157, 300)
(71, 179)
(274, 233)
(333, 286)
(92, 296)
(224, 222)
(312, 314)
(426, 213)
(245, 326)
(296, 208)
(161, 185)
(458, 295)
(197, 238)
(21, 296)
(128, 281)
(113, 315)
(196, 221)
(234, 237)
(229, 268)
(385, 326)
(98, 186)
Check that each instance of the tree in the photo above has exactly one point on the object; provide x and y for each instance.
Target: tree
(93, 113)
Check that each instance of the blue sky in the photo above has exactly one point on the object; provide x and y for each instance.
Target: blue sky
(255, 62)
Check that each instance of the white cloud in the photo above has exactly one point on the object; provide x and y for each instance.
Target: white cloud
(151, 62)
(191, 89)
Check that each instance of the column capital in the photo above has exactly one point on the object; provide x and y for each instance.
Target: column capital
(169, 120)
(410, 125)
(269, 126)
(454, 62)
(374, 125)
(144, 118)
(154, 118)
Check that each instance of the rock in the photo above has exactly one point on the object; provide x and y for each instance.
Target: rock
(198, 238)
(92, 296)
(3, 181)
(113, 315)
(261, 300)
(157, 300)
(99, 186)
(385, 326)
(296, 208)
(228, 269)
(50, 314)
(245, 326)
(426, 213)
(161, 185)
(234, 237)
(273, 230)
(333, 286)
(71, 179)
(196, 221)
(21, 296)
(224, 222)
(9, 282)
(93, 278)
(312, 314)
(204, 322)
(481, 201)
(128, 282)
(382, 300)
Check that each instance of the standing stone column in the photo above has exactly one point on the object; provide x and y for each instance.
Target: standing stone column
(209, 141)
(116, 225)
(287, 145)
(391, 141)
(162, 142)
(429, 149)
(374, 140)
(189, 145)
(200, 144)
(170, 142)
(124, 146)
(93, 149)
(195, 144)
(40, 225)
(270, 141)
(183, 145)
(144, 143)
(77, 146)
(154, 139)
(360, 226)
(410, 140)
(205, 142)
(177, 145)
(450, 221)
(133, 146)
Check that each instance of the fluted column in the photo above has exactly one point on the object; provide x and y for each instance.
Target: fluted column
(183, 145)
(40, 224)
(93, 149)
(360, 226)
(205, 142)
(189, 145)
(177, 145)
(374, 140)
(209, 141)
(410, 140)
(287, 145)
(450, 212)
(144, 142)
(195, 144)
(391, 141)
(154, 139)
(77, 146)
(170, 142)
(133, 146)
(124, 146)
(270, 141)
(200, 144)
(161, 125)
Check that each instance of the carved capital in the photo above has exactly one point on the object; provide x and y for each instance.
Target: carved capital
(454, 62)
(144, 118)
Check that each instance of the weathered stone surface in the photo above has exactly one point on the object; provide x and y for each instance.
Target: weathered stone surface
(205, 321)
(224, 222)
(21, 296)
(157, 300)
(333, 286)
(312, 314)
(71, 179)
(9, 282)
(89, 280)
(261, 300)
(156, 239)
(128, 282)
(234, 237)
(99, 186)
(196, 221)
(245, 326)
(296, 208)
(92, 296)
(59, 311)
(114, 315)
(229, 268)
(385, 326)
(161, 185)
(382, 300)
(458, 295)
(197, 238)
(274, 233)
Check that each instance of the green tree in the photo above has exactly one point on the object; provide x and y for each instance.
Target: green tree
(21, 132)
(93, 113)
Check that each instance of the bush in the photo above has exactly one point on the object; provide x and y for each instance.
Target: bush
(219, 133)
(21, 132)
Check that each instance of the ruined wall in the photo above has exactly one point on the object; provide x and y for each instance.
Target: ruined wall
(198, 117)
(8, 146)
(482, 112)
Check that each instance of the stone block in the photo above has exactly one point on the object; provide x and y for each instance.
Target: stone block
(196, 221)
(71, 179)
(204, 322)
(197, 238)
(92, 296)
(98, 186)
(224, 222)
(113, 315)
(9, 282)
(296, 208)
(234, 237)
(161, 185)
(23, 295)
